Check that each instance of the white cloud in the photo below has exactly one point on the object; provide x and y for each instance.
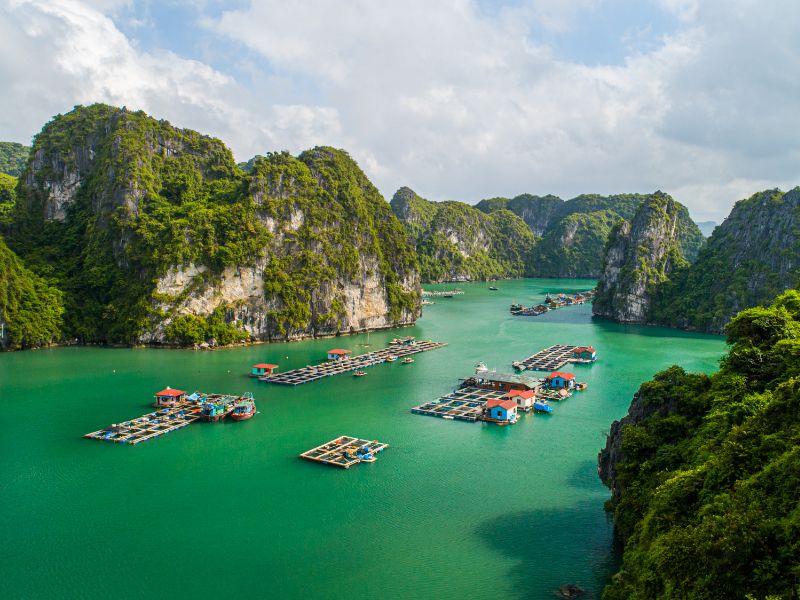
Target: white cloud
(69, 53)
(452, 100)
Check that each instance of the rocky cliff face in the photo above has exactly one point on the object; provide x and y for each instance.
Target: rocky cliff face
(750, 258)
(157, 236)
(640, 255)
(457, 242)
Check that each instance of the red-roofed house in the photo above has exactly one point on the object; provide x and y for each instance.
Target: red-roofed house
(169, 397)
(586, 353)
(523, 398)
(337, 354)
(262, 370)
(559, 380)
(502, 411)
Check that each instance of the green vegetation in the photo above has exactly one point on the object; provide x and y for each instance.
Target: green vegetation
(30, 307)
(707, 476)
(13, 158)
(153, 198)
(574, 232)
(192, 329)
(749, 259)
(574, 245)
(456, 241)
(8, 198)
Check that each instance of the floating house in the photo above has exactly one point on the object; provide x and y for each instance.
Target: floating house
(506, 382)
(501, 411)
(558, 380)
(169, 397)
(523, 398)
(584, 353)
(337, 354)
(263, 370)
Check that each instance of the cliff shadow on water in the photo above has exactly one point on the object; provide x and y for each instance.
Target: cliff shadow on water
(540, 575)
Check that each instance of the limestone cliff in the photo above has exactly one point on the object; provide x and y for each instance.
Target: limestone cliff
(156, 235)
(750, 258)
(457, 242)
(640, 255)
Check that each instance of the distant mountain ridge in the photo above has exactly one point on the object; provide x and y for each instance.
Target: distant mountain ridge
(455, 241)
(752, 257)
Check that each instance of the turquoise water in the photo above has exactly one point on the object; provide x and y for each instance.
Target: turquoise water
(451, 510)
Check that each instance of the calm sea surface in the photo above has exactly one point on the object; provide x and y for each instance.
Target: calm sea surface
(451, 510)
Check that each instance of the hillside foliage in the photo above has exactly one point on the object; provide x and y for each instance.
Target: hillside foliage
(709, 479)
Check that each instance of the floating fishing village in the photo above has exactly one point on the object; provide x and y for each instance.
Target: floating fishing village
(486, 395)
(552, 302)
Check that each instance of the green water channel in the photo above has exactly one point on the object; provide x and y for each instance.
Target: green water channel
(451, 510)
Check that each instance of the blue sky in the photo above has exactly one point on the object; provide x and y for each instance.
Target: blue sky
(458, 99)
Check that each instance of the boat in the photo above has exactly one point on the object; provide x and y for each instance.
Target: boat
(216, 407)
(448, 417)
(243, 409)
(518, 365)
(359, 373)
(493, 288)
(407, 360)
(391, 358)
(542, 406)
(581, 386)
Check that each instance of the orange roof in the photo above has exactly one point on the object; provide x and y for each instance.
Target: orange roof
(170, 393)
(265, 366)
(521, 393)
(507, 404)
(561, 374)
(338, 351)
(583, 349)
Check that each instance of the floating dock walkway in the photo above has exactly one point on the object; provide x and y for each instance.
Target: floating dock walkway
(346, 365)
(551, 359)
(344, 451)
(464, 404)
(442, 293)
(159, 422)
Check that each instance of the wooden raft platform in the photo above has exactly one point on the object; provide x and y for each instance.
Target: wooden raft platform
(341, 452)
(551, 359)
(464, 404)
(160, 421)
(346, 365)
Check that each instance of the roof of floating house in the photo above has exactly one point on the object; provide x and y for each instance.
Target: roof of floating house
(507, 378)
(507, 404)
(265, 366)
(170, 393)
(583, 349)
(561, 374)
(521, 393)
(339, 351)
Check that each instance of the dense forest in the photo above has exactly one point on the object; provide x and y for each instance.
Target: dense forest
(13, 158)
(705, 471)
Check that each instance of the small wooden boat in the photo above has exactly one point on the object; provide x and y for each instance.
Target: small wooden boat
(407, 360)
(581, 386)
(359, 373)
(518, 365)
(391, 358)
(243, 409)
(491, 287)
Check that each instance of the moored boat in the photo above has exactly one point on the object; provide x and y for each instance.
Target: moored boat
(391, 358)
(407, 360)
(542, 406)
(359, 373)
(243, 409)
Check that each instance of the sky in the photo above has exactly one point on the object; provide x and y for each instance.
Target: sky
(457, 99)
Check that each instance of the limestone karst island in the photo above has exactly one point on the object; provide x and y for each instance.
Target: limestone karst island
(476, 299)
